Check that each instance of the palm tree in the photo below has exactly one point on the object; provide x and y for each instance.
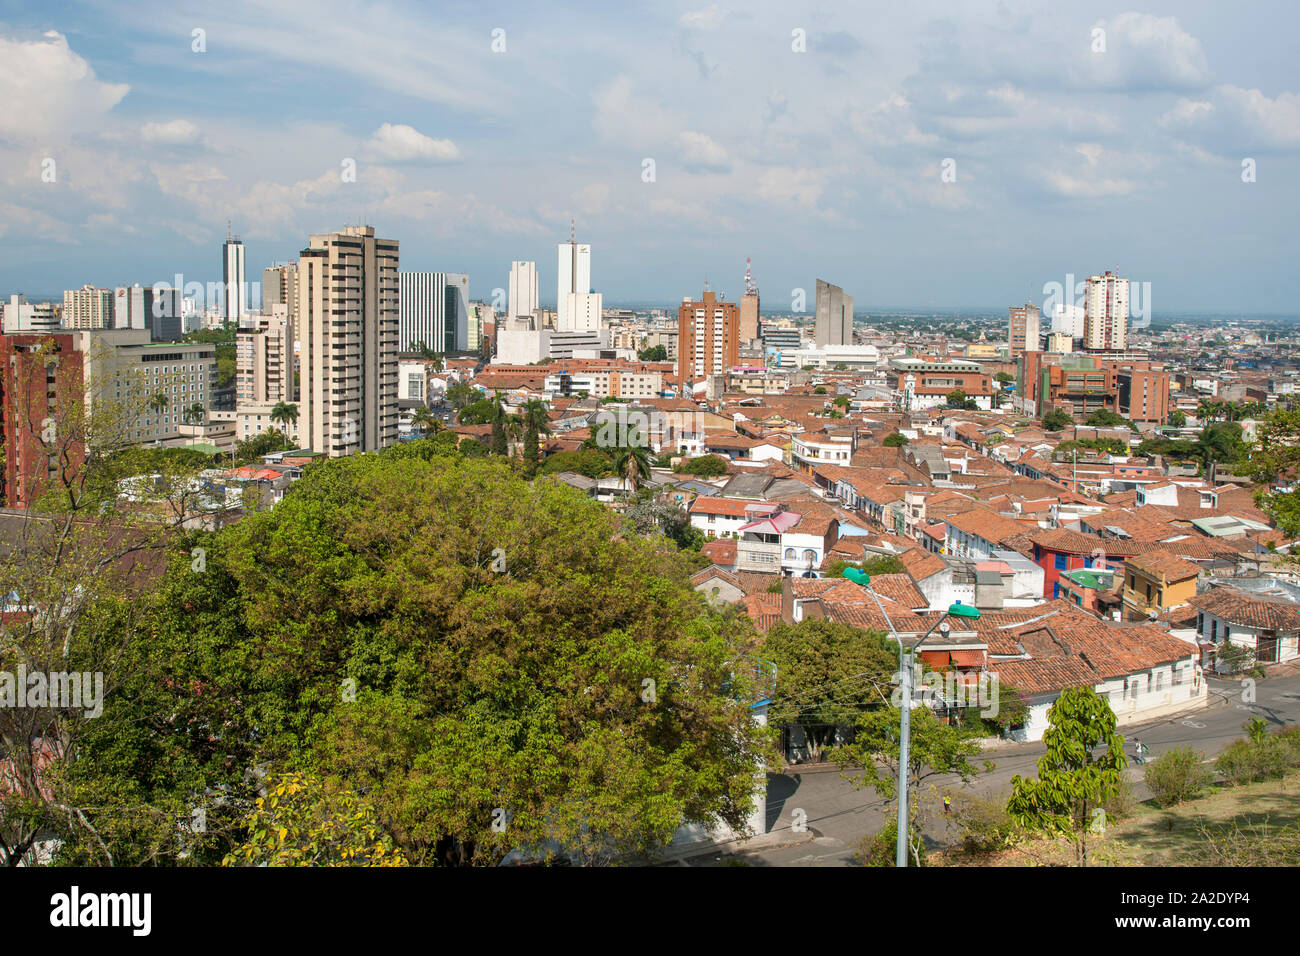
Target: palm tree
(285, 414)
(158, 403)
(195, 413)
(632, 463)
(424, 422)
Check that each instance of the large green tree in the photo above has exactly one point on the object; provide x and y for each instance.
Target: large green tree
(828, 673)
(486, 659)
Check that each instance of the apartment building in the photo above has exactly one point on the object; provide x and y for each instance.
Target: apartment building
(263, 373)
(349, 319)
(708, 333)
(1023, 333)
(88, 308)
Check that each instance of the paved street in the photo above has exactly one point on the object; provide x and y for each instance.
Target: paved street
(839, 815)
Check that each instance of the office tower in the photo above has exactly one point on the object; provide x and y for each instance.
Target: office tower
(157, 310)
(1024, 329)
(574, 275)
(232, 274)
(749, 309)
(434, 311)
(1105, 321)
(708, 334)
(88, 308)
(481, 317)
(349, 321)
(584, 311)
(523, 289)
(22, 316)
(834, 321)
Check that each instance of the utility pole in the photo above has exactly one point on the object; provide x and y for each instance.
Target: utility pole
(906, 662)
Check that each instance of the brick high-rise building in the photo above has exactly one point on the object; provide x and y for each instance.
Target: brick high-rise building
(1143, 395)
(1023, 333)
(708, 337)
(41, 385)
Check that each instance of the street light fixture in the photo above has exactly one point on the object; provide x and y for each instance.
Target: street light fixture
(906, 662)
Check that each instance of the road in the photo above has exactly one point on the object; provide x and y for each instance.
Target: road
(838, 815)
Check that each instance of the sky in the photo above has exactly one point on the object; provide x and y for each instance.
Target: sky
(930, 155)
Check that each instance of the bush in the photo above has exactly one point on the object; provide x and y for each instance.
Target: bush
(1123, 803)
(882, 849)
(1176, 776)
(986, 825)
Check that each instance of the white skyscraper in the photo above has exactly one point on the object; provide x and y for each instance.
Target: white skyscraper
(434, 310)
(1105, 323)
(584, 311)
(574, 276)
(232, 273)
(523, 289)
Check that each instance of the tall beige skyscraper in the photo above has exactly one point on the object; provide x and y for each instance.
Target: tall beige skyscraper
(1105, 317)
(88, 308)
(349, 324)
(280, 287)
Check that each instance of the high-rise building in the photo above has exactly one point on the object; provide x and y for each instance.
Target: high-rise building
(523, 289)
(708, 337)
(264, 372)
(584, 311)
(1105, 321)
(1024, 329)
(158, 310)
(749, 329)
(834, 321)
(349, 321)
(22, 316)
(232, 274)
(88, 308)
(434, 311)
(264, 358)
(574, 275)
(280, 287)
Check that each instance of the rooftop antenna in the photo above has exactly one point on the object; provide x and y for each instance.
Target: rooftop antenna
(750, 288)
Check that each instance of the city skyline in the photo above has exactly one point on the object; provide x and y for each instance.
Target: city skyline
(832, 156)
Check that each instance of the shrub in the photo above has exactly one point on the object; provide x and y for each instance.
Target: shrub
(986, 825)
(882, 849)
(1123, 803)
(1176, 776)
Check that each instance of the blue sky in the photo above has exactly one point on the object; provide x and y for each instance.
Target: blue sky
(826, 162)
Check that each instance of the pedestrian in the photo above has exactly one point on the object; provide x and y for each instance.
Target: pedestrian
(947, 804)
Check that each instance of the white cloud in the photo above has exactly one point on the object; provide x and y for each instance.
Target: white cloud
(397, 142)
(624, 115)
(1077, 187)
(708, 18)
(784, 184)
(701, 152)
(1148, 52)
(50, 91)
(591, 199)
(175, 132)
(1234, 120)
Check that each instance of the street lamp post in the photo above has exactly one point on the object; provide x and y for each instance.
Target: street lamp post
(906, 662)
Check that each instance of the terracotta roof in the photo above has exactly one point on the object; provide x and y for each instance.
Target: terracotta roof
(1162, 566)
(921, 564)
(1249, 610)
(721, 551)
